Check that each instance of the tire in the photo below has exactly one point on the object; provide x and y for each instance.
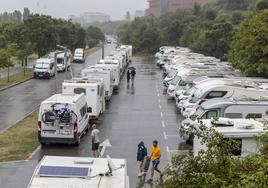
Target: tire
(78, 141)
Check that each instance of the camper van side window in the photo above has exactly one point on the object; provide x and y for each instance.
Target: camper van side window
(80, 90)
(215, 94)
(233, 115)
(83, 111)
(253, 116)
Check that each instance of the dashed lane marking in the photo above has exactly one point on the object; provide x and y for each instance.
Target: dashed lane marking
(160, 106)
(161, 114)
(159, 100)
(165, 135)
(163, 124)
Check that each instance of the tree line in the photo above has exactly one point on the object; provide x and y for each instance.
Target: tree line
(230, 30)
(40, 34)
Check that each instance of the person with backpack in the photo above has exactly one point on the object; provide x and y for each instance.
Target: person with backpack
(141, 154)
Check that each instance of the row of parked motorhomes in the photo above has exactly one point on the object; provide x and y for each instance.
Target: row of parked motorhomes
(65, 118)
(210, 92)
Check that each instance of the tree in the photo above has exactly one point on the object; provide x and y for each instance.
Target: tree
(94, 36)
(262, 5)
(26, 13)
(215, 166)
(249, 49)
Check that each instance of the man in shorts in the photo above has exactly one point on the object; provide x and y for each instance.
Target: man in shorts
(95, 141)
(155, 158)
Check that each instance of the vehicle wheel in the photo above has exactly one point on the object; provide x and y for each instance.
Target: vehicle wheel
(78, 141)
(42, 144)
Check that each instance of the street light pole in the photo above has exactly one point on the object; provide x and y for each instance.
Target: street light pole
(103, 49)
(56, 72)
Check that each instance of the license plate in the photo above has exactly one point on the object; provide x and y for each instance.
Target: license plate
(49, 132)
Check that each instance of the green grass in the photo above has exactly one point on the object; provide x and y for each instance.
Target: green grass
(13, 79)
(19, 141)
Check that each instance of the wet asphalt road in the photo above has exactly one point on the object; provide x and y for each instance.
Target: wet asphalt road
(17, 102)
(135, 113)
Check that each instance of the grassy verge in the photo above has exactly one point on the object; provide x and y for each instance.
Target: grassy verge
(92, 50)
(19, 141)
(13, 79)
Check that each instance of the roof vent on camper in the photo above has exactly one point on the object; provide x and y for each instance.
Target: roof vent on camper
(222, 122)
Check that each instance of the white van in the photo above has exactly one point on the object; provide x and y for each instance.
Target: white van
(94, 94)
(115, 66)
(98, 73)
(220, 91)
(242, 130)
(80, 172)
(62, 62)
(79, 55)
(44, 68)
(119, 58)
(63, 119)
(128, 48)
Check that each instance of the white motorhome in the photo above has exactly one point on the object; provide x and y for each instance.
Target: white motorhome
(62, 62)
(63, 119)
(128, 48)
(44, 68)
(79, 55)
(242, 130)
(115, 66)
(82, 172)
(229, 89)
(94, 94)
(119, 58)
(98, 73)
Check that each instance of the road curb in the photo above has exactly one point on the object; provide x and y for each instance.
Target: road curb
(33, 153)
(13, 85)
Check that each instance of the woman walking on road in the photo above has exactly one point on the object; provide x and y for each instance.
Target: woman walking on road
(141, 154)
(128, 75)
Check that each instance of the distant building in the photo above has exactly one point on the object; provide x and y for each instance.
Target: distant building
(139, 13)
(91, 17)
(160, 7)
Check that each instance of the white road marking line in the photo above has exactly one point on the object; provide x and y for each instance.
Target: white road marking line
(160, 106)
(159, 100)
(163, 124)
(158, 94)
(161, 113)
(172, 135)
(165, 135)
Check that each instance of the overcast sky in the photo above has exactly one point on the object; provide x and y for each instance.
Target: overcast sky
(63, 8)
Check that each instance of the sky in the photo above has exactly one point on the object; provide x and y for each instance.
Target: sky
(63, 8)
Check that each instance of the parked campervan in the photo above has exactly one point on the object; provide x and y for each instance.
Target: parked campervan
(119, 58)
(242, 130)
(63, 118)
(94, 94)
(98, 73)
(44, 68)
(128, 48)
(80, 172)
(79, 55)
(62, 62)
(114, 66)
(231, 89)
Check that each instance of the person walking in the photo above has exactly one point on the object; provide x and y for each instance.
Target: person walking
(141, 154)
(155, 158)
(95, 141)
(133, 74)
(128, 75)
